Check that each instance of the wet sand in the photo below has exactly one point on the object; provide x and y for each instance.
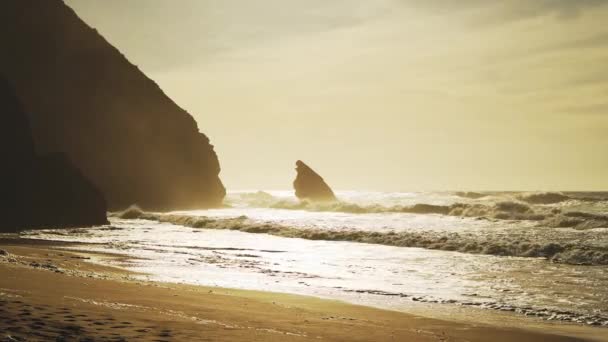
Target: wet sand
(49, 294)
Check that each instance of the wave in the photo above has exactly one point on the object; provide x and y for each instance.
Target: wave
(505, 210)
(528, 197)
(571, 252)
(514, 206)
(544, 197)
(543, 313)
(470, 194)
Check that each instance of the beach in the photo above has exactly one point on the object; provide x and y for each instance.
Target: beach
(392, 251)
(386, 170)
(50, 293)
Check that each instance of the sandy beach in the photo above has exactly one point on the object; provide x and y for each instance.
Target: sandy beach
(390, 170)
(48, 294)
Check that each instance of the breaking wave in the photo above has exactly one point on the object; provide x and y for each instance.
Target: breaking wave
(470, 194)
(567, 250)
(544, 197)
(502, 210)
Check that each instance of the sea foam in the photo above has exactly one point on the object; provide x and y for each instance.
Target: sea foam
(563, 250)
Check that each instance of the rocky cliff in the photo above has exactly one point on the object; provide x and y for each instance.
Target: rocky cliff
(39, 191)
(85, 99)
(310, 186)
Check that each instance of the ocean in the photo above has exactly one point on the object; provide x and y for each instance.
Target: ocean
(535, 255)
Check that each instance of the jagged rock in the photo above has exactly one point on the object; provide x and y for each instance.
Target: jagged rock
(310, 186)
(40, 191)
(85, 99)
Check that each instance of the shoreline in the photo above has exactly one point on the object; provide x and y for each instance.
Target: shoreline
(52, 292)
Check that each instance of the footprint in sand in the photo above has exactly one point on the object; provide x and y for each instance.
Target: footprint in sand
(165, 333)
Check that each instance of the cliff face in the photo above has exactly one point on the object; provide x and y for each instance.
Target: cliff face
(40, 191)
(310, 186)
(85, 99)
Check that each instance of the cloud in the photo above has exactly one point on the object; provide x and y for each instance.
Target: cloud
(164, 35)
(509, 10)
(597, 40)
(562, 8)
(178, 34)
(588, 109)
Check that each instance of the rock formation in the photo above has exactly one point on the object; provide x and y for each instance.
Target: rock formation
(310, 186)
(85, 99)
(40, 191)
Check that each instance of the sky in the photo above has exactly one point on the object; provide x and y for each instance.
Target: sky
(387, 95)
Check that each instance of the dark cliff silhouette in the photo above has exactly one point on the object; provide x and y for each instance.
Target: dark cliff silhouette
(39, 191)
(310, 186)
(85, 99)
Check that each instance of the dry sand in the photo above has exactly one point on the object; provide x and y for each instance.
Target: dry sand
(49, 294)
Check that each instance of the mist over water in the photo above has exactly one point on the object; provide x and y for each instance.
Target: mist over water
(538, 254)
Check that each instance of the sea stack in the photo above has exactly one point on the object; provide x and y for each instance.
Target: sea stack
(310, 186)
(86, 100)
(40, 191)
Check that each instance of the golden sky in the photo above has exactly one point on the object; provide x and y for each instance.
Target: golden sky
(391, 95)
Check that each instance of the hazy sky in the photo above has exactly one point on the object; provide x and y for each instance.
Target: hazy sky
(382, 94)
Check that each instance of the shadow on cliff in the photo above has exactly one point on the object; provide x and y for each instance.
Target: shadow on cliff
(40, 191)
(85, 99)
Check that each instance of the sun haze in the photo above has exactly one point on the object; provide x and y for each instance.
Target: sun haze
(382, 95)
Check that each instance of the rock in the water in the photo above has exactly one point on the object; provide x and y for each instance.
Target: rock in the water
(85, 99)
(310, 186)
(40, 191)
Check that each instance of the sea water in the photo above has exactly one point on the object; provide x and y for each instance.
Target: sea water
(542, 255)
